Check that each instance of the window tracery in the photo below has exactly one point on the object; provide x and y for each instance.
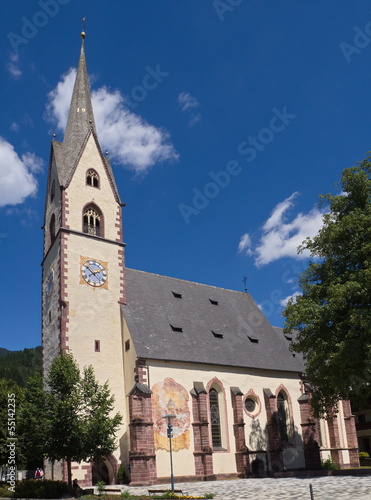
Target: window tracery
(92, 178)
(92, 221)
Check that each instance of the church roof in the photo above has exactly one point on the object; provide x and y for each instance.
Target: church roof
(173, 319)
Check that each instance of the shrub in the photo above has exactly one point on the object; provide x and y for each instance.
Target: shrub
(100, 486)
(122, 478)
(328, 464)
(364, 454)
(5, 491)
(34, 488)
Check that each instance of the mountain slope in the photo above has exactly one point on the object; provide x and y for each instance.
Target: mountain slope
(20, 365)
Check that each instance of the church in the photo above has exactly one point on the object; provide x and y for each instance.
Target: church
(238, 398)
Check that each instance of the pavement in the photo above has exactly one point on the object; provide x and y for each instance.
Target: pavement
(324, 488)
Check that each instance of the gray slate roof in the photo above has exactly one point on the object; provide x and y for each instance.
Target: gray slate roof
(290, 337)
(231, 331)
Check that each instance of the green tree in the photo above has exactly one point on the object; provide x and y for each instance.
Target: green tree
(10, 397)
(333, 315)
(78, 411)
(31, 422)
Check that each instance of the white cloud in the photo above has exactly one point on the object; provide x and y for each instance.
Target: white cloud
(244, 245)
(277, 214)
(32, 162)
(13, 66)
(14, 70)
(14, 127)
(195, 118)
(187, 101)
(129, 139)
(59, 100)
(17, 180)
(281, 238)
(284, 301)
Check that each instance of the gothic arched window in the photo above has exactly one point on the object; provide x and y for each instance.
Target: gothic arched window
(216, 435)
(283, 417)
(92, 178)
(93, 219)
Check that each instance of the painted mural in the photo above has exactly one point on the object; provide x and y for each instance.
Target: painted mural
(169, 397)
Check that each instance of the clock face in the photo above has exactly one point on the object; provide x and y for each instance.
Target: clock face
(94, 273)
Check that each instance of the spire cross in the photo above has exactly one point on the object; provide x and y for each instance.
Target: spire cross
(83, 23)
(245, 281)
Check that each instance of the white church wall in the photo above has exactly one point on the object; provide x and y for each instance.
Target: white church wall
(78, 190)
(255, 430)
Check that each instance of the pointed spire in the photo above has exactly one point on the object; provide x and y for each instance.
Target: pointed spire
(80, 119)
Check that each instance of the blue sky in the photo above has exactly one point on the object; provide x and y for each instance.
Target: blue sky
(224, 121)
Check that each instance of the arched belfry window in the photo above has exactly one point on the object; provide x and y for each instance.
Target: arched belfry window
(283, 417)
(52, 228)
(92, 178)
(52, 191)
(216, 435)
(92, 221)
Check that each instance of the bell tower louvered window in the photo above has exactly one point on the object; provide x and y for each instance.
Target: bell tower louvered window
(92, 221)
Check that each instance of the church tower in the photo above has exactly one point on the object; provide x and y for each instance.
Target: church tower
(83, 265)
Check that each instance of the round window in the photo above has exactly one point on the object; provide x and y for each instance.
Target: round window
(250, 405)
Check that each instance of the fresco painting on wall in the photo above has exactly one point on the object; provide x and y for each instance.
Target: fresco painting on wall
(169, 397)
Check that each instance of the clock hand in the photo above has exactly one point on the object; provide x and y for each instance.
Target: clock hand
(91, 270)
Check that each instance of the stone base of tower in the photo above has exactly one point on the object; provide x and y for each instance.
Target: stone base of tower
(142, 457)
(142, 470)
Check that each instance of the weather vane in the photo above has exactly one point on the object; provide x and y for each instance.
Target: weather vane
(245, 281)
(83, 34)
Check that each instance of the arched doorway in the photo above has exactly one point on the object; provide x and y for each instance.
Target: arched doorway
(102, 470)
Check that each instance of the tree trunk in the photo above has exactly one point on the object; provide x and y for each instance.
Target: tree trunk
(69, 474)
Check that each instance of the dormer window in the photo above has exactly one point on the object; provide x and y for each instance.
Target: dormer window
(217, 335)
(92, 178)
(252, 339)
(92, 221)
(176, 328)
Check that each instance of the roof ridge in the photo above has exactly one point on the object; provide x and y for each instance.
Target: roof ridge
(188, 281)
